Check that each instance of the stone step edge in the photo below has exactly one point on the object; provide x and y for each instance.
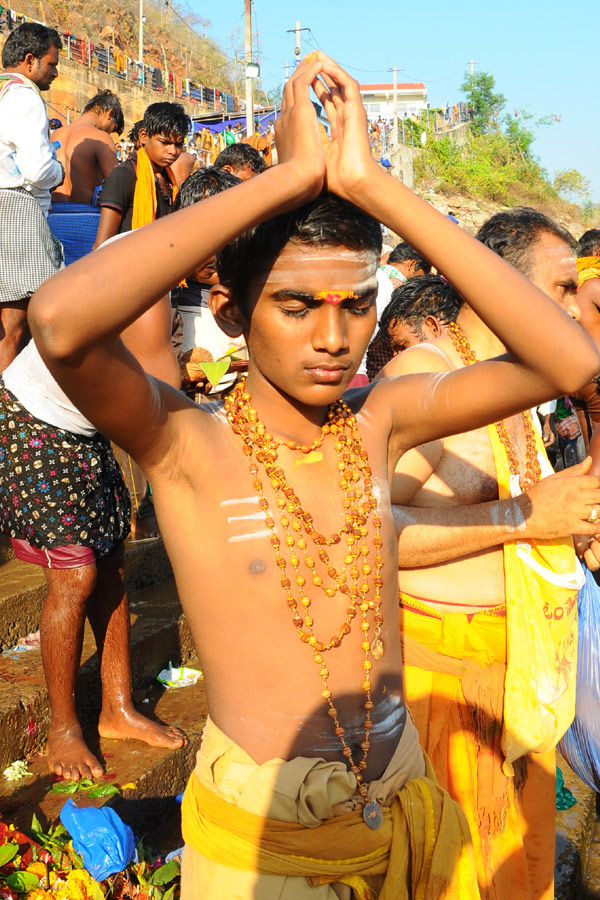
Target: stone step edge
(158, 635)
(158, 775)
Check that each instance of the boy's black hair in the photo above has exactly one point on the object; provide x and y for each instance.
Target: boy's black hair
(425, 295)
(30, 37)
(238, 156)
(327, 221)
(512, 235)
(168, 119)
(106, 101)
(403, 252)
(204, 183)
(134, 134)
(589, 243)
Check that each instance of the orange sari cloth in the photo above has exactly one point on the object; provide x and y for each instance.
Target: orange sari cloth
(454, 668)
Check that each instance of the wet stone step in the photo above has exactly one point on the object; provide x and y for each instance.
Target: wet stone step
(574, 828)
(156, 775)
(159, 633)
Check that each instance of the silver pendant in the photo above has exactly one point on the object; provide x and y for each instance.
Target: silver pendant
(377, 648)
(373, 815)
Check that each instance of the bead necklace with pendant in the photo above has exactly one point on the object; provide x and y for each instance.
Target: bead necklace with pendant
(352, 579)
(532, 472)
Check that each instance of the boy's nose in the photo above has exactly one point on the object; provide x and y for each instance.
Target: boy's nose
(330, 332)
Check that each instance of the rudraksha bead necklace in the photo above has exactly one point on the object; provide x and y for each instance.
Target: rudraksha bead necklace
(533, 472)
(351, 579)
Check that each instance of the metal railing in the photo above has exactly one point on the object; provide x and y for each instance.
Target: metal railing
(111, 61)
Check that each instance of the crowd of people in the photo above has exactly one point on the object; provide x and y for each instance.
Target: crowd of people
(381, 584)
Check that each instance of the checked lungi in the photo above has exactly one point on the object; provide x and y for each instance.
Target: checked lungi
(58, 488)
(29, 252)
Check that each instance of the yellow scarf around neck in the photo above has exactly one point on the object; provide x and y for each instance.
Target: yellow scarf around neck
(144, 197)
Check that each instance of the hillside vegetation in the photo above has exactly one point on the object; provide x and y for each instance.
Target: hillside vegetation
(171, 38)
(497, 162)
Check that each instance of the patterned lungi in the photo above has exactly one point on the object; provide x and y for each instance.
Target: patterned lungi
(58, 488)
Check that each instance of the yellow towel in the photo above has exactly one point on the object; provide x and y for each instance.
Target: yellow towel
(588, 267)
(144, 198)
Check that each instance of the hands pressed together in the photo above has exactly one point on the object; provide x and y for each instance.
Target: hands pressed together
(343, 162)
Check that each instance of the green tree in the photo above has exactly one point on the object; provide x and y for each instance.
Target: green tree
(483, 100)
(571, 183)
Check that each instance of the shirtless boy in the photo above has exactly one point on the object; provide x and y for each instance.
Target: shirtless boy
(87, 151)
(237, 536)
(88, 154)
(455, 517)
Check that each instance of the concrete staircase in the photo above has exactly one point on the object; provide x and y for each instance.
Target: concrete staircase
(159, 633)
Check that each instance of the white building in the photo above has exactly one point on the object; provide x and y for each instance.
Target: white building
(378, 100)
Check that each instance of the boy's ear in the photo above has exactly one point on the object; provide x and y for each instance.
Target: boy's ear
(226, 311)
(142, 136)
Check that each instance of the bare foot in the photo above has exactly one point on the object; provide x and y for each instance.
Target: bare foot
(137, 727)
(69, 756)
(144, 527)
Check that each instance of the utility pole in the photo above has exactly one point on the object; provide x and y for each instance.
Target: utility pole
(296, 31)
(287, 71)
(248, 56)
(395, 108)
(472, 65)
(141, 44)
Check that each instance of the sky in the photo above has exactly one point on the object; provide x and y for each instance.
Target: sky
(537, 52)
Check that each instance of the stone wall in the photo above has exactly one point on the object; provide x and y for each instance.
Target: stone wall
(76, 84)
(402, 160)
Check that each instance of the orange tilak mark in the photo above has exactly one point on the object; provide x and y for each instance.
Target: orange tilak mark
(335, 297)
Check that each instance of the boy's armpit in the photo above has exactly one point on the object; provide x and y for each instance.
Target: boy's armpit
(413, 470)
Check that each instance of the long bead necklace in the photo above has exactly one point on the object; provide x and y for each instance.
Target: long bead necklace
(532, 472)
(351, 579)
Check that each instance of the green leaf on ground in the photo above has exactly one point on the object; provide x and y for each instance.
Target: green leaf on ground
(8, 852)
(166, 873)
(22, 881)
(103, 790)
(64, 787)
(35, 825)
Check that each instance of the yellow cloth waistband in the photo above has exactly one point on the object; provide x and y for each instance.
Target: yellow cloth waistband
(423, 844)
(436, 610)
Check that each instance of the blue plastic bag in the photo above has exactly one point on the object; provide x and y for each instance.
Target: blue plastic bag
(100, 836)
(581, 744)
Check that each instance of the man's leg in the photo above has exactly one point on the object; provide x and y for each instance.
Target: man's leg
(14, 331)
(61, 632)
(108, 612)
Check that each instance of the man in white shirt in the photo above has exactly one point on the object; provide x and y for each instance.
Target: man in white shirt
(29, 170)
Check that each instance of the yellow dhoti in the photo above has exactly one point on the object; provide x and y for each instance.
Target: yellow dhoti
(288, 830)
(454, 678)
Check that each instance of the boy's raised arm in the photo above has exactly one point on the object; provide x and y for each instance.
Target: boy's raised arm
(77, 316)
(549, 354)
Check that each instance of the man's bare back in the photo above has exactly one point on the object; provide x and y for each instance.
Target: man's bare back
(87, 150)
(88, 155)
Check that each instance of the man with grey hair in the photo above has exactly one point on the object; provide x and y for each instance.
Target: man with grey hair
(480, 515)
